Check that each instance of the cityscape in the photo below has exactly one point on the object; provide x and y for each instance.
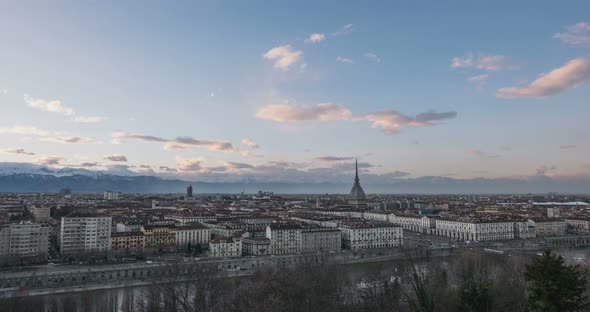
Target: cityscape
(201, 156)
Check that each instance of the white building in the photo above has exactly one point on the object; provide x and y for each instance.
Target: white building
(376, 215)
(110, 195)
(193, 234)
(362, 234)
(84, 233)
(478, 228)
(186, 219)
(407, 222)
(24, 240)
(284, 238)
(225, 247)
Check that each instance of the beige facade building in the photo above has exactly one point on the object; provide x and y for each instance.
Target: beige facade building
(128, 243)
(40, 214)
(159, 237)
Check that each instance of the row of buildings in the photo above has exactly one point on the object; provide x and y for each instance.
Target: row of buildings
(486, 227)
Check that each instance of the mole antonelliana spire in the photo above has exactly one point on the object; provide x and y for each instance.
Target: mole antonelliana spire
(357, 194)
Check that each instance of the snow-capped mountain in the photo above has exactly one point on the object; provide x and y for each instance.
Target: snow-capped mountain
(7, 168)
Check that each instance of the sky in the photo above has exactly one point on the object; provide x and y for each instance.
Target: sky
(220, 90)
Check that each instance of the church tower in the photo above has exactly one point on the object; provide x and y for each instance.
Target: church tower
(357, 194)
(189, 191)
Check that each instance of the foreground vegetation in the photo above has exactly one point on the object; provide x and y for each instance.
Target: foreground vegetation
(467, 281)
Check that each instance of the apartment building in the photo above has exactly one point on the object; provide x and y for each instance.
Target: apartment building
(579, 224)
(192, 234)
(159, 237)
(314, 239)
(128, 243)
(84, 233)
(284, 238)
(225, 247)
(545, 226)
(24, 240)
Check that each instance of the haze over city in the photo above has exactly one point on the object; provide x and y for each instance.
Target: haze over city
(228, 92)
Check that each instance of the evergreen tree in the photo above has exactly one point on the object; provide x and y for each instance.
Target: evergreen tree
(474, 296)
(554, 286)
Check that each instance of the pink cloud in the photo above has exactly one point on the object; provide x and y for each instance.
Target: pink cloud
(572, 74)
(296, 113)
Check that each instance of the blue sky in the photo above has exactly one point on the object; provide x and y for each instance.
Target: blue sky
(460, 88)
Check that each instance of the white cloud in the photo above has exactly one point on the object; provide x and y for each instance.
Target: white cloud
(53, 106)
(390, 121)
(344, 30)
(315, 38)
(250, 142)
(3, 92)
(89, 119)
(373, 57)
(481, 61)
(178, 143)
(344, 60)
(479, 78)
(53, 160)
(25, 130)
(19, 151)
(284, 57)
(577, 34)
(247, 153)
(289, 113)
(69, 140)
(189, 164)
(570, 75)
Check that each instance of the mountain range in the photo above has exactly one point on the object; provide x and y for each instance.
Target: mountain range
(20, 177)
